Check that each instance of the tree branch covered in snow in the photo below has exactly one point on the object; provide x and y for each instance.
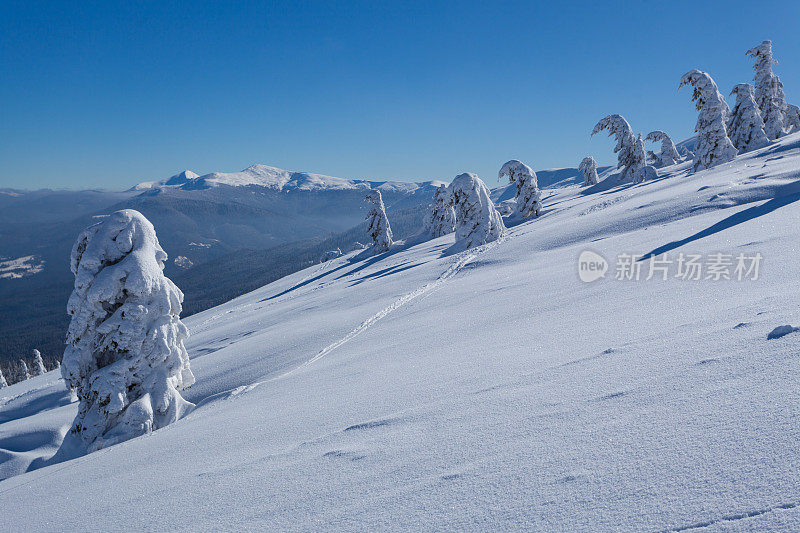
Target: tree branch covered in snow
(669, 153)
(125, 357)
(713, 145)
(528, 197)
(378, 228)
(630, 153)
(477, 220)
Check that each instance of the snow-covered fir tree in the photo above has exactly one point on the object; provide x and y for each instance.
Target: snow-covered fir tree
(38, 364)
(3, 382)
(24, 373)
(125, 357)
(792, 118)
(588, 168)
(768, 91)
(713, 146)
(378, 227)
(631, 155)
(669, 154)
(440, 219)
(477, 220)
(745, 127)
(528, 196)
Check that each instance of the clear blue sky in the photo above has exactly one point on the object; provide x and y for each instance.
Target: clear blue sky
(108, 94)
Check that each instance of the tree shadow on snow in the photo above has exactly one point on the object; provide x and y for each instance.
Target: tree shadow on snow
(729, 222)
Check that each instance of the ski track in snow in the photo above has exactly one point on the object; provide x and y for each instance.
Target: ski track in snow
(465, 258)
(732, 518)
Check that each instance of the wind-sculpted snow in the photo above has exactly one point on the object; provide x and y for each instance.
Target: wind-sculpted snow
(477, 220)
(669, 154)
(528, 197)
(631, 155)
(407, 390)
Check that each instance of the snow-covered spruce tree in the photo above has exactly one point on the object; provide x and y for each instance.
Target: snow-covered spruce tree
(646, 173)
(528, 196)
(441, 218)
(38, 364)
(745, 127)
(125, 357)
(792, 118)
(3, 382)
(713, 146)
(631, 155)
(24, 373)
(669, 154)
(768, 91)
(477, 220)
(588, 168)
(378, 227)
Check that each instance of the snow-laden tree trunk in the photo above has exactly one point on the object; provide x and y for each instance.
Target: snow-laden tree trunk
(378, 227)
(38, 364)
(528, 196)
(631, 155)
(768, 94)
(125, 357)
(588, 168)
(713, 146)
(3, 382)
(669, 153)
(440, 219)
(745, 126)
(477, 220)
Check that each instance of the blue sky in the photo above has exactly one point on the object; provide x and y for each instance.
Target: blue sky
(108, 94)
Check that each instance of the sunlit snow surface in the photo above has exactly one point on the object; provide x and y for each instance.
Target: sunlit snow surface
(486, 390)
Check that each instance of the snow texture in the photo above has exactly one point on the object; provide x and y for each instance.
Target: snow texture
(38, 364)
(477, 220)
(745, 126)
(528, 196)
(768, 91)
(588, 168)
(713, 146)
(125, 356)
(669, 153)
(631, 155)
(440, 219)
(378, 228)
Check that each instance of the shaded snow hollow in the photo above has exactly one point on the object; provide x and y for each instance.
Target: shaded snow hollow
(490, 389)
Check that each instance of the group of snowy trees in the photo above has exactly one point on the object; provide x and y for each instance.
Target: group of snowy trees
(760, 115)
(24, 371)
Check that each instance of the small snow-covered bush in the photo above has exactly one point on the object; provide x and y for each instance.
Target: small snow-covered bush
(3, 382)
(125, 357)
(713, 146)
(768, 91)
(630, 151)
(38, 364)
(477, 221)
(588, 168)
(669, 154)
(646, 173)
(793, 118)
(440, 219)
(378, 227)
(745, 127)
(528, 196)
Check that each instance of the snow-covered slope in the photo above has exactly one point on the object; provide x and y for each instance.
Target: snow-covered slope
(486, 390)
